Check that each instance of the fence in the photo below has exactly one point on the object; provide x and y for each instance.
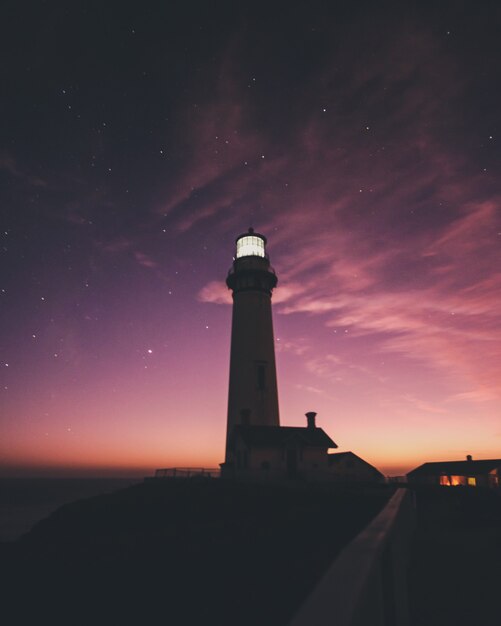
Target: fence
(367, 584)
(188, 472)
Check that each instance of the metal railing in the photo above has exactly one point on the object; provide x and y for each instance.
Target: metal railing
(188, 472)
(367, 583)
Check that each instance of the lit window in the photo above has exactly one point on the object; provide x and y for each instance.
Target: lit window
(250, 246)
(472, 481)
(452, 481)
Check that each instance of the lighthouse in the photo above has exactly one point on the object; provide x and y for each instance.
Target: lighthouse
(252, 396)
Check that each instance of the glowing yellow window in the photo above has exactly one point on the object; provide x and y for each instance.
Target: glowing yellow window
(250, 246)
(472, 481)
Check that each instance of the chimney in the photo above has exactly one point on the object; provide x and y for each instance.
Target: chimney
(311, 419)
(468, 457)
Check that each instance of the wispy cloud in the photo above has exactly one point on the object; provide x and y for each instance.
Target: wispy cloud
(215, 292)
(10, 165)
(145, 260)
(382, 228)
(310, 389)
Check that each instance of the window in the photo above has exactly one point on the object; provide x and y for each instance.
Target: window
(261, 376)
(472, 481)
(250, 246)
(452, 481)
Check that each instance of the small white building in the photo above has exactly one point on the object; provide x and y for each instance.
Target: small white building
(349, 467)
(278, 452)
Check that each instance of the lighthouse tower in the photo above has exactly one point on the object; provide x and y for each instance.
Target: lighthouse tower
(253, 396)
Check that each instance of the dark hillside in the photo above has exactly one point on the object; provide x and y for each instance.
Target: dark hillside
(183, 552)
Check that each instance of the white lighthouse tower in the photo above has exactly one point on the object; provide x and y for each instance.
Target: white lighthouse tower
(253, 396)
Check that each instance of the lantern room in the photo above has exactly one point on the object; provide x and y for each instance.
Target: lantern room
(251, 244)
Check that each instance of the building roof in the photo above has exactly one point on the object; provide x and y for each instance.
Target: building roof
(265, 436)
(458, 468)
(337, 457)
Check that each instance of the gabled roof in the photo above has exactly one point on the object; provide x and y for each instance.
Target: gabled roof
(264, 436)
(458, 468)
(336, 457)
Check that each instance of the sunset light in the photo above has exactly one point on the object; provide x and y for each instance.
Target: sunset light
(137, 151)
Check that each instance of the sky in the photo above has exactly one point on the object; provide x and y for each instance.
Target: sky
(138, 140)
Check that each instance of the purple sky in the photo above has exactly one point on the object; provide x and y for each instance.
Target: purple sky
(139, 142)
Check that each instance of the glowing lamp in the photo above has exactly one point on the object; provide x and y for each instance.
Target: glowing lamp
(251, 244)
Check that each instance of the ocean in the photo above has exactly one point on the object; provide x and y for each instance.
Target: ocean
(26, 501)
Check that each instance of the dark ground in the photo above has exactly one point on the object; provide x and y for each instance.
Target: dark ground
(455, 577)
(25, 501)
(183, 552)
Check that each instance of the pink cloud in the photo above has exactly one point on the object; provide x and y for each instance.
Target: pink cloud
(382, 229)
(145, 260)
(113, 246)
(215, 292)
(299, 346)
